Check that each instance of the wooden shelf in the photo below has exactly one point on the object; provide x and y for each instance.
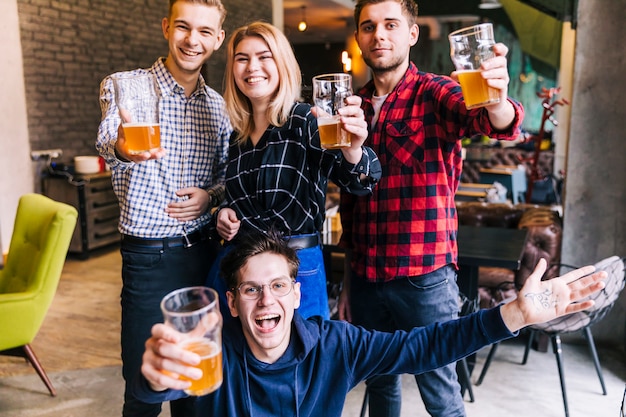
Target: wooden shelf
(98, 210)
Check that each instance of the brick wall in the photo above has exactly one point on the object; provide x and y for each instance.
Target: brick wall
(69, 46)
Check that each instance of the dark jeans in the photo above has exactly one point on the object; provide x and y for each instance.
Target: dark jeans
(148, 274)
(401, 305)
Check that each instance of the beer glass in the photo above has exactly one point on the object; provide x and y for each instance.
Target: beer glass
(329, 92)
(469, 47)
(137, 98)
(194, 312)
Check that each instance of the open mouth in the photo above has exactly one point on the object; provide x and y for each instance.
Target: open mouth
(268, 321)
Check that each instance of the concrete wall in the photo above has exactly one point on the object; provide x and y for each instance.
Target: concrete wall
(595, 201)
(15, 167)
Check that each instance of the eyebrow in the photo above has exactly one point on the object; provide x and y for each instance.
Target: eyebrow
(271, 280)
(386, 20)
(265, 51)
(186, 23)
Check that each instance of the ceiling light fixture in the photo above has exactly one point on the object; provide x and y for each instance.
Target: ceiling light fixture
(302, 25)
(489, 4)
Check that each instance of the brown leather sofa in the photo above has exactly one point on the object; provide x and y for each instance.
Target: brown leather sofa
(486, 157)
(544, 241)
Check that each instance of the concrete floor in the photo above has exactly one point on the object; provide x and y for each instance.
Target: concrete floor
(509, 389)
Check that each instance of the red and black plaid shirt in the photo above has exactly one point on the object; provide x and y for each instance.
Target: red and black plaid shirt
(408, 226)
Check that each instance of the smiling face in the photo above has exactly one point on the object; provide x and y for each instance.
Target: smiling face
(193, 32)
(254, 69)
(266, 321)
(385, 37)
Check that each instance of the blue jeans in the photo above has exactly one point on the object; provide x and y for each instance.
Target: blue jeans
(401, 305)
(312, 279)
(148, 274)
(311, 276)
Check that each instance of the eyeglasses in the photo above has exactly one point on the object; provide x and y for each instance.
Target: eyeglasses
(279, 287)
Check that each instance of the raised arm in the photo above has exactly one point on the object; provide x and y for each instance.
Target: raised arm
(541, 301)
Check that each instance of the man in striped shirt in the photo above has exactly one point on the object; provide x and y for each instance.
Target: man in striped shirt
(403, 237)
(166, 194)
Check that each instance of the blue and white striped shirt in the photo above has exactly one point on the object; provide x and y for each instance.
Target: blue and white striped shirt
(194, 133)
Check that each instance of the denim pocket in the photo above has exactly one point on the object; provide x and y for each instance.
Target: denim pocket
(427, 284)
(139, 261)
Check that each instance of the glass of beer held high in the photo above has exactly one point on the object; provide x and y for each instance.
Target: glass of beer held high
(329, 93)
(469, 47)
(137, 98)
(194, 312)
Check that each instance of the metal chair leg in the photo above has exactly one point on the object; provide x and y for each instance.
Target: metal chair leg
(558, 352)
(29, 353)
(490, 356)
(529, 343)
(464, 378)
(365, 400)
(594, 354)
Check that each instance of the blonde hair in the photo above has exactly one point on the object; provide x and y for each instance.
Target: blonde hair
(209, 3)
(238, 105)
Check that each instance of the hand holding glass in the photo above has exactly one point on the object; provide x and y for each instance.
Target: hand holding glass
(329, 93)
(469, 47)
(194, 312)
(137, 99)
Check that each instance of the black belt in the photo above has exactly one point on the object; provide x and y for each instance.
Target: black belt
(169, 242)
(303, 241)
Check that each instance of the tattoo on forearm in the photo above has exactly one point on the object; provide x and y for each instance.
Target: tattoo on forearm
(542, 300)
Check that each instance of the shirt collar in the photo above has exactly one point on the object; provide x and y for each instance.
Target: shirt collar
(169, 85)
(409, 77)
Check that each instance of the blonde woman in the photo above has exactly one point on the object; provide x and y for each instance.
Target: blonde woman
(277, 171)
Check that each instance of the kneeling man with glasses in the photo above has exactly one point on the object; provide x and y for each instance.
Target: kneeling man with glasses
(277, 364)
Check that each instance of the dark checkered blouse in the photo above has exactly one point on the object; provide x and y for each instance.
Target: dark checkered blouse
(281, 182)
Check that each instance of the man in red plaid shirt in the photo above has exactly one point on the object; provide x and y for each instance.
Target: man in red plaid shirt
(402, 238)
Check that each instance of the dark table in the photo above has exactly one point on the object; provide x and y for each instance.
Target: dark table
(487, 246)
(478, 246)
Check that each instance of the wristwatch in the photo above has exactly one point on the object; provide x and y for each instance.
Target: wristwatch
(212, 198)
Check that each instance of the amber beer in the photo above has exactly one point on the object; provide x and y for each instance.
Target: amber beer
(195, 313)
(142, 137)
(210, 365)
(476, 92)
(137, 97)
(332, 136)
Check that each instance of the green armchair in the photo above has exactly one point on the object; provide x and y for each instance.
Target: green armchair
(41, 237)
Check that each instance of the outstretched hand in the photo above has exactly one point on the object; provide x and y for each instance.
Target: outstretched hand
(164, 360)
(541, 301)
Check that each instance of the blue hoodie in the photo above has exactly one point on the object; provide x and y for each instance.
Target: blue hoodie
(325, 360)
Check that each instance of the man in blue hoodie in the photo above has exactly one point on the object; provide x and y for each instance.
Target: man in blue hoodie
(277, 364)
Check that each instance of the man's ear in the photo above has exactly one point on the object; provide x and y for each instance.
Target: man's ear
(297, 294)
(230, 297)
(414, 34)
(165, 26)
(220, 39)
